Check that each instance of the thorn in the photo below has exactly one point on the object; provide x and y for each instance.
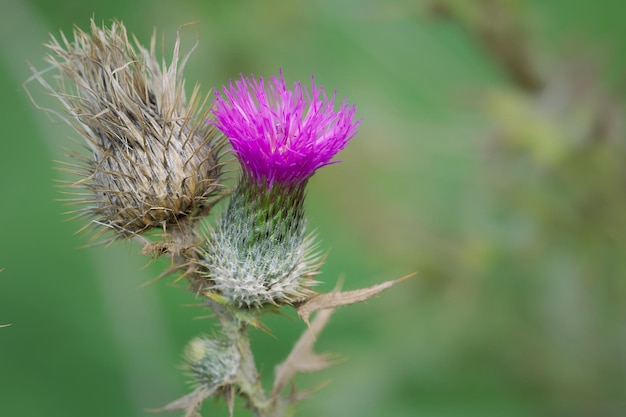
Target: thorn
(337, 299)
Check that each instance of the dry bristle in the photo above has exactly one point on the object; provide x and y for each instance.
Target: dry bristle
(153, 160)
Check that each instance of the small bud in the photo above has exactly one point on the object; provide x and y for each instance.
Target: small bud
(152, 161)
(212, 362)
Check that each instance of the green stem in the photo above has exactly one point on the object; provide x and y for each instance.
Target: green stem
(249, 381)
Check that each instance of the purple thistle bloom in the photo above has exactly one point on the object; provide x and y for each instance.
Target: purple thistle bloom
(282, 136)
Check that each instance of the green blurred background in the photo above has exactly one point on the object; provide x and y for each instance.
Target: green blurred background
(490, 160)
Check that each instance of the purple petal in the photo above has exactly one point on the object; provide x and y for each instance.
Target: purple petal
(282, 135)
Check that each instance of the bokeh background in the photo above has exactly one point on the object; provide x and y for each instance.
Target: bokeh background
(490, 159)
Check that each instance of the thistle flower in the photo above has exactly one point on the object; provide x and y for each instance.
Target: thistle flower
(152, 162)
(284, 136)
(259, 252)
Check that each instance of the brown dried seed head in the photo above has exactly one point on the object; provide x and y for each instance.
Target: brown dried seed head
(153, 159)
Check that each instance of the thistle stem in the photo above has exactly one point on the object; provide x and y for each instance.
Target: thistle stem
(249, 381)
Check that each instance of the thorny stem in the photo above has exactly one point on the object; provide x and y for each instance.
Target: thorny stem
(249, 383)
(235, 324)
(247, 380)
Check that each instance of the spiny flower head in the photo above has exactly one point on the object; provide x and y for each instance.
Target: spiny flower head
(151, 161)
(259, 252)
(282, 135)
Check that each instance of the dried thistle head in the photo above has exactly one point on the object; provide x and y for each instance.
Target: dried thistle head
(153, 161)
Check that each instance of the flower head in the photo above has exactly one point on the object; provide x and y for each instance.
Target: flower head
(259, 252)
(281, 135)
(151, 161)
